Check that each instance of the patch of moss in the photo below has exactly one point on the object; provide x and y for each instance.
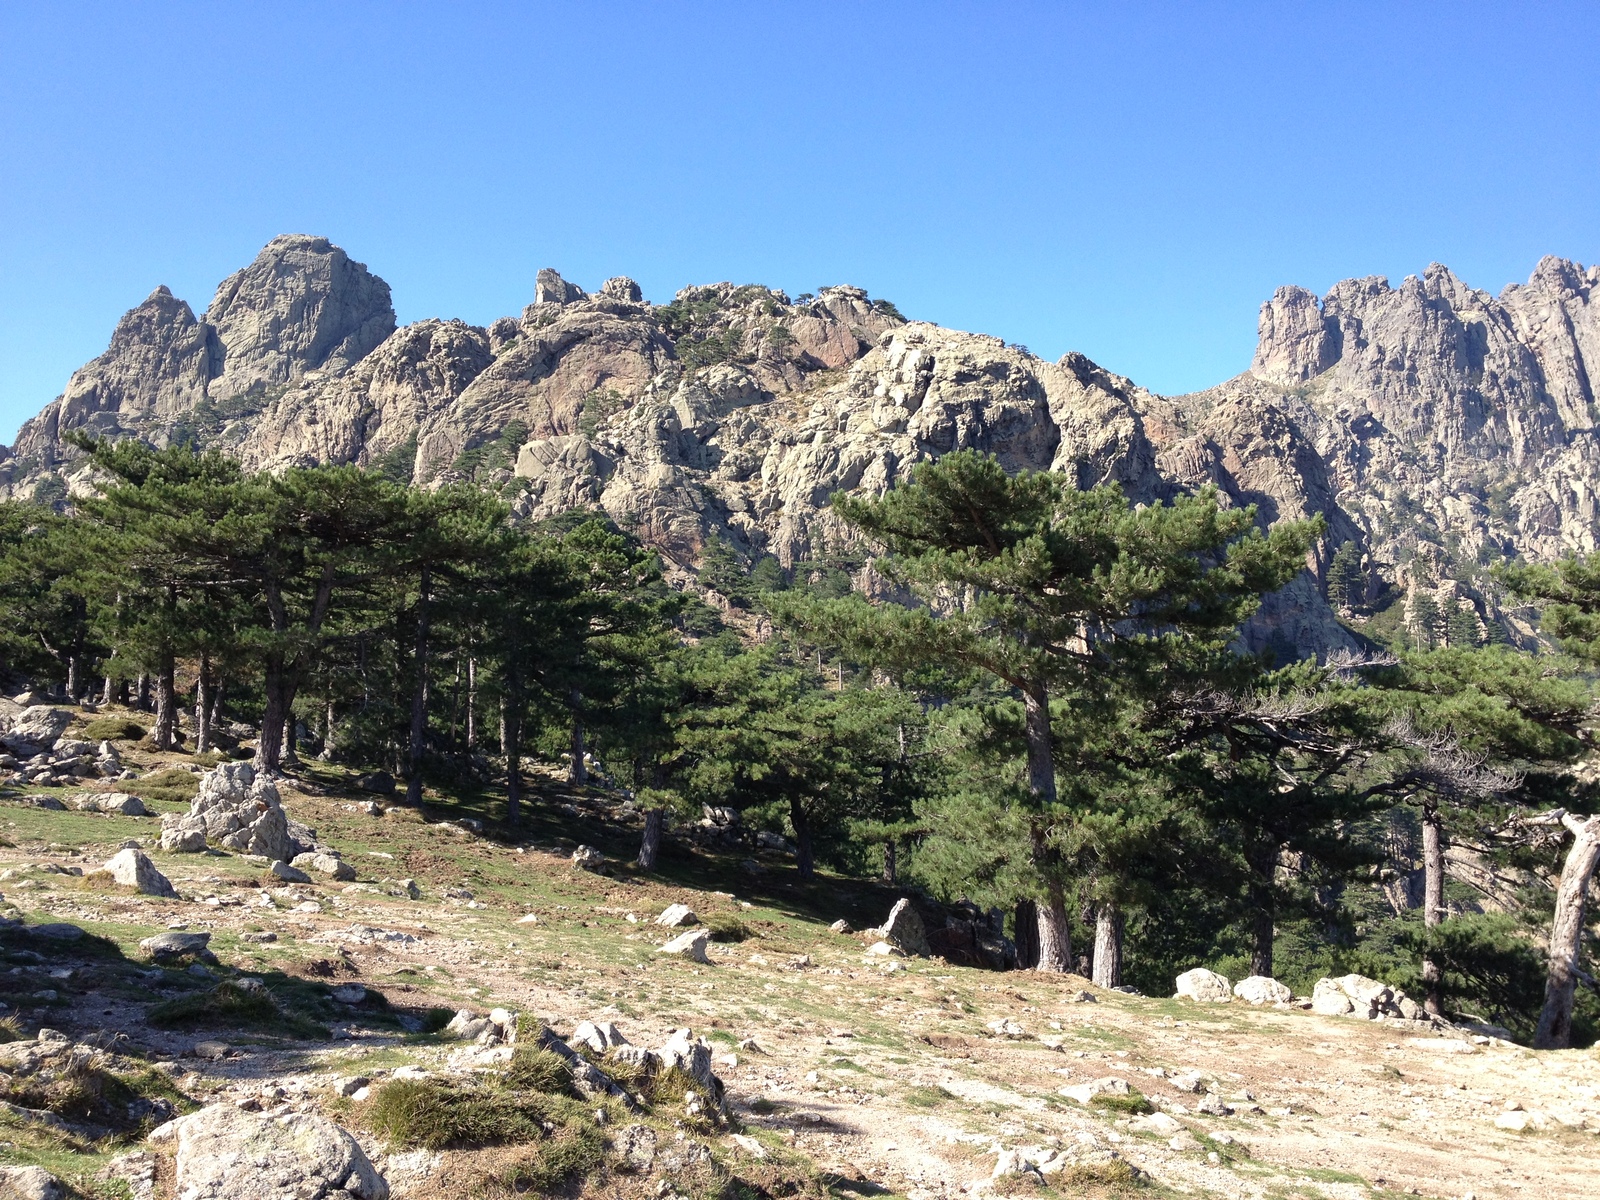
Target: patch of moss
(114, 729)
(1133, 1104)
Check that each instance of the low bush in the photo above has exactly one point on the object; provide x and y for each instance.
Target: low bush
(230, 1006)
(433, 1115)
(729, 929)
(572, 1152)
(536, 1070)
(114, 729)
(1133, 1104)
(174, 785)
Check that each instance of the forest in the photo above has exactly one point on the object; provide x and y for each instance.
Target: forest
(998, 689)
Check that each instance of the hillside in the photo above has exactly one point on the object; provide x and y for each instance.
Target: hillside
(1436, 427)
(847, 1073)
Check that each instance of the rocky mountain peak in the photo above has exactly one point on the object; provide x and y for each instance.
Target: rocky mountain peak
(302, 305)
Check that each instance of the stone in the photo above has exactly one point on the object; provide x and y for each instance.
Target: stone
(175, 943)
(587, 858)
(1206, 987)
(350, 993)
(1158, 1123)
(111, 803)
(30, 1183)
(380, 782)
(675, 916)
(1260, 989)
(1006, 1028)
(288, 874)
(236, 810)
(550, 288)
(133, 868)
(330, 865)
(36, 728)
(1329, 999)
(46, 802)
(841, 926)
(1213, 1105)
(620, 287)
(183, 839)
(885, 950)
(636, 1147)
(690, 945)
(691, 1055)
(904, 929)
(466, 1025)
(598, 1036)
(225, 1153)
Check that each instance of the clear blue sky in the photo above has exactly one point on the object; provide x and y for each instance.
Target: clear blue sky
(1128, 180)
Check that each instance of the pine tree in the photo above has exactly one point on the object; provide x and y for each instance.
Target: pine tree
(1065, 591)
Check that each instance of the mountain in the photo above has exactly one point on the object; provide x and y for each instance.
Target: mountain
(1437, 428)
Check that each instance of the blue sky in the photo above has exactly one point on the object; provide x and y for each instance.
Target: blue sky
(1127, 180)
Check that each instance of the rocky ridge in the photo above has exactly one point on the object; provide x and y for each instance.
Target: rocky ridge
(1434, 426)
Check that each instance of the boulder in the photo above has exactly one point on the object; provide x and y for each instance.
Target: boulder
(176, 943)
(692, 1056)
(111, 803)
(30, 1183)
(380, 782)
(225, 1153)
(178, 838)
(466, 1025)
(288, 874)
(35, 729)
(587, 858)
(677, 915)
(841, 926)
(1261, 989)
(904, 929)
(1204, 986)
(690, 945)
(133, 868)
(1328, 999)
(234, 809)
(330, 865)
(349, 993)
(599, 1036)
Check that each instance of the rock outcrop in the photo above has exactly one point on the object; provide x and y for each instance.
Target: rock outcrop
(1434, 427)
(225, 1152)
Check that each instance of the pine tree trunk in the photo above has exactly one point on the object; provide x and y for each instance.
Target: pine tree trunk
(1027, 928)
(289, 757)
(330, 745)
(202, 706)
(1055, 932)
(419, 697)
(472, 704)
(1566, 933)
(107, 692)
(1432, 902)
(650, 844)
(803, 861)
(511, 738)
(269, 747)
(890, 865)
(144, 692)
(579, 774)
(1108, 946)
(215, 713)
(166, 703)
(1263, 861)
(73, 673)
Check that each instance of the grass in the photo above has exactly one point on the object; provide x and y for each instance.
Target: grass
(729, 929)
(173, 785)
(537, 1070)
(1134, 1104)
(439, 1116)
(928, 1097)
(575, 1150)
(113, 729)
(230, 1006)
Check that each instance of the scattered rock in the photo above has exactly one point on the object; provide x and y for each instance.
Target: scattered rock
(58, 931)
(677, 915)
(587, 858)
(1213, 1105)
(133, 868)
(1007, 1028)
(1206, 987)
(636, 1147)
(224, 1153)
(1260, 989)
(36, 729)
(234, 809)
(841, 926)
(1157, 1123)
(885, 950)
(690, 945)
(349, 993)
(211, 1050)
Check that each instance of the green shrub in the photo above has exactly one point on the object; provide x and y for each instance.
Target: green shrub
(174, 786)
(573, 1151)
(114, 729)
(436, 1116)
(436, 1019)
(927, 1097)
(1134, 1104)
(728, 929)
(536, 1070)
(231, 1006)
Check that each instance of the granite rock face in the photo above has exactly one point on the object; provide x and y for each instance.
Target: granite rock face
(1435, 427)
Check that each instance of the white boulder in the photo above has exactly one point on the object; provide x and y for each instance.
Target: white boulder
(1262, 989)
(1204, 986)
